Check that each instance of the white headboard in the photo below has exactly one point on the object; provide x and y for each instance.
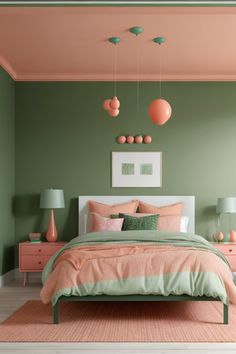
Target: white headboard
(189, 205)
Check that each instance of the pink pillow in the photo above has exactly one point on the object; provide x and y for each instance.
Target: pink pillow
(107, 210)
(173, 209)
(101, 223)
(165, 222)
(169, 223)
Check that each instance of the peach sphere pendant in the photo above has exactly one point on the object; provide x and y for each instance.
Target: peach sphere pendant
(159, 111)
(106, 104)
(115, 103)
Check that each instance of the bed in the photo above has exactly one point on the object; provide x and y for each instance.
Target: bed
(77, 253)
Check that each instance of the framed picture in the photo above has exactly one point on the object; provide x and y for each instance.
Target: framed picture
(136, 169)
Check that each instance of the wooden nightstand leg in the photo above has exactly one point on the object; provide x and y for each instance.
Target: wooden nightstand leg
(25, 278)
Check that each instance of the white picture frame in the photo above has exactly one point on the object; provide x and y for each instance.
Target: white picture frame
(136, 169)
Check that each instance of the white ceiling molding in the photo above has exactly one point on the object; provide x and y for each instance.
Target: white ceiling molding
(120, 3)
(8, 68)
(120, 78)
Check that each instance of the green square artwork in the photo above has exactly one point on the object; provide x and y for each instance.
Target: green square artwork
(127, 169)
(146, 169)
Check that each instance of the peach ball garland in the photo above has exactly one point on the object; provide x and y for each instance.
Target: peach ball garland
(112, 106)
(121, 139)
(130, 139)
(138, 139)
(147, 139)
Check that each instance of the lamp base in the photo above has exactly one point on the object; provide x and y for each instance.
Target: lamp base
(232, 236)
(51, 234)
(219, 236)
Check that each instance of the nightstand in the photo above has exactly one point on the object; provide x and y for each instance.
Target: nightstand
(229, 250)
(34, 256)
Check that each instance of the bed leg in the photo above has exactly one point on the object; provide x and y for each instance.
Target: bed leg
(226, 314)
(56, 313)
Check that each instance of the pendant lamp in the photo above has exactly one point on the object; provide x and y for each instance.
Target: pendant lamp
(111, 105)
(137, 30)
(159, 109)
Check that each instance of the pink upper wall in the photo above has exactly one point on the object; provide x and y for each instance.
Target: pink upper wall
(70, 43)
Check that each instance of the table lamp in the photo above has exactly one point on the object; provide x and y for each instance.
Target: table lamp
(226, 206)
(52, 199)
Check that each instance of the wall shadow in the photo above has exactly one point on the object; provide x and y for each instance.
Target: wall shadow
(70, 227)
(27, 205)
(8, 259)
(209, 212)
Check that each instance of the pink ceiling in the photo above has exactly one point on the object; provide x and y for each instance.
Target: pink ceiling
(71, 43)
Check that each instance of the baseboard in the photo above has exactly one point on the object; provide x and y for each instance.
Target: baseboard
(34, 277)
(14, 274)
(7, 278)
(131, 347)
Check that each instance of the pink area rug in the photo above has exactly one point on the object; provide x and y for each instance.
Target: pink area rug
(121, 322)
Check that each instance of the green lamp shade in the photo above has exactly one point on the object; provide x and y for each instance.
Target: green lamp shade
(52, 199)
(226, 205)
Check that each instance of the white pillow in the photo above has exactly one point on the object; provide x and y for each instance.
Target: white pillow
(184, 224)
(86, 228)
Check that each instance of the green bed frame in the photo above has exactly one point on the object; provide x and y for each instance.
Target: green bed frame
(137, 298)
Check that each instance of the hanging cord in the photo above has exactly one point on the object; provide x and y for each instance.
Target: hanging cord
(138, 74)
(115, 69)
(160, 71)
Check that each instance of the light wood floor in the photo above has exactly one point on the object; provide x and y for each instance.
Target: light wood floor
(14, 295)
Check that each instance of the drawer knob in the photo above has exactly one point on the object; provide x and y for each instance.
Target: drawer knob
(40, 250)
(230, 250)
(40, 262)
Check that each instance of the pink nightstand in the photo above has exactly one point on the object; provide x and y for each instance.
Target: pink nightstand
(34, 256)
(229, 250)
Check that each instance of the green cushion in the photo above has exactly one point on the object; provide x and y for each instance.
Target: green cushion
(149, 222)
(114, 216)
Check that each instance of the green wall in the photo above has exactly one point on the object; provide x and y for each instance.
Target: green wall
(64, 139)
(7, 174)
